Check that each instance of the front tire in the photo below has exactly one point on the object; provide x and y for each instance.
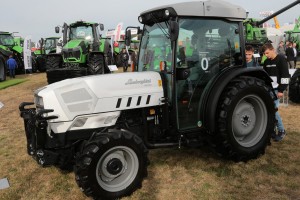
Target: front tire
(96, 64)
(2, 69)
(111, 165)
(246, 119)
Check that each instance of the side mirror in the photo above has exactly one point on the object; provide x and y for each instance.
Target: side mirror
(173, 31)
(128, 37)
(101, 27)
(139, 31)
(59, 44)
(56, 29)
(182, 73)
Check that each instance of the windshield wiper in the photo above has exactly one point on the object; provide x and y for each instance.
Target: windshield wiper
(156, 21)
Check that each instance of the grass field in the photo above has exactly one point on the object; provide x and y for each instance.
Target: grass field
(172, 175)
(11, 82)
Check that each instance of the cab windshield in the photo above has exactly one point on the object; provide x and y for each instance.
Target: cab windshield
(50, 44)
(155, 47)
(6, 40)
(81, 32)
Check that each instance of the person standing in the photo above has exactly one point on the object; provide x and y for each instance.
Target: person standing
(124, 59)
(277, 68)
(251, 62)
(295, 53)
(280, 48)
(12, 65)
(290, 55)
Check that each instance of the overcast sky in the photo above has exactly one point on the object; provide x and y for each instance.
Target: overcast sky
(38, 18)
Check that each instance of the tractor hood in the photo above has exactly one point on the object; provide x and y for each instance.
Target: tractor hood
(101, 93)
(5, 50)
(74, 43)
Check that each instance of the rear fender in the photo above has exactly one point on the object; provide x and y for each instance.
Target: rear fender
(209, 102)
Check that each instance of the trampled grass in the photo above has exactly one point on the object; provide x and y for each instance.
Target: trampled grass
(173, 174)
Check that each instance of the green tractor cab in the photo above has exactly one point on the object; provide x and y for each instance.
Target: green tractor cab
(294, 35)
(256, 35)
(10, 45)
(47, 46)
(84, 52)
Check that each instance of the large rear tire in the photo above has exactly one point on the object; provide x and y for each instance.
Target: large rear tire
(41, 63)
(111, 165)
(246, 119)
(2, 69)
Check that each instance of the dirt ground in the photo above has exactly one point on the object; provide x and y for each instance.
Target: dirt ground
(173, 174)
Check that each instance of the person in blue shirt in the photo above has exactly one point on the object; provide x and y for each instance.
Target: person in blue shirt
(249, 51)
(12, 65)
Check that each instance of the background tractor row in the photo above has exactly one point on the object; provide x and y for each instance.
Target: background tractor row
(84, 52)
(10, 45)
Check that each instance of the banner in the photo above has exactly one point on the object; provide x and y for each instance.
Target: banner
(27, 53)
(117, 34)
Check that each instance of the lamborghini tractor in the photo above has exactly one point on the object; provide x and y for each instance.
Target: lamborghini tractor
(105, 124)
(84, 52)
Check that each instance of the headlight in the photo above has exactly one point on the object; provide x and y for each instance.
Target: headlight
(39, 102)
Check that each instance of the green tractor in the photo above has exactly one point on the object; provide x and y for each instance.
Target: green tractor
(84, 52)
(47, 46)
(10, 45)
(294, 35)
(294, 86)
(255, 34)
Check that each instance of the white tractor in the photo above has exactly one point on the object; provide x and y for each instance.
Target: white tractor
(191, 87)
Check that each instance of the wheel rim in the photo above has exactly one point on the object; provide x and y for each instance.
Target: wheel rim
(117, 168)
(249, 120)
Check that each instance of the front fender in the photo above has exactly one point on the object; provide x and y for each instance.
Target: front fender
(210, 99)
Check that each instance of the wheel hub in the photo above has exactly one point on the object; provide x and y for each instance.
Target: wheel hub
(244, 119)
(114, 166)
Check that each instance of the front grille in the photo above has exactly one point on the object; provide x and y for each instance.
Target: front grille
(71, 53)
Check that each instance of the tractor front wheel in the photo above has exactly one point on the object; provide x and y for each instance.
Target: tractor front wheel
(96, 64)
(111, 165)
(53, 62)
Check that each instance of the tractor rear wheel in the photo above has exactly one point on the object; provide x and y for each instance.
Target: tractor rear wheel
(96, 64)
(294, 87)
(111, 165)
(246, 119)
(2, 69)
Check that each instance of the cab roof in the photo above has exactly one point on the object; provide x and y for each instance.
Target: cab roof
(210, 8)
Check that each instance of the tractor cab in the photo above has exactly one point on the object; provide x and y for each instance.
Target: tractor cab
(190, 52)
(50, 44)
(6, 39)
